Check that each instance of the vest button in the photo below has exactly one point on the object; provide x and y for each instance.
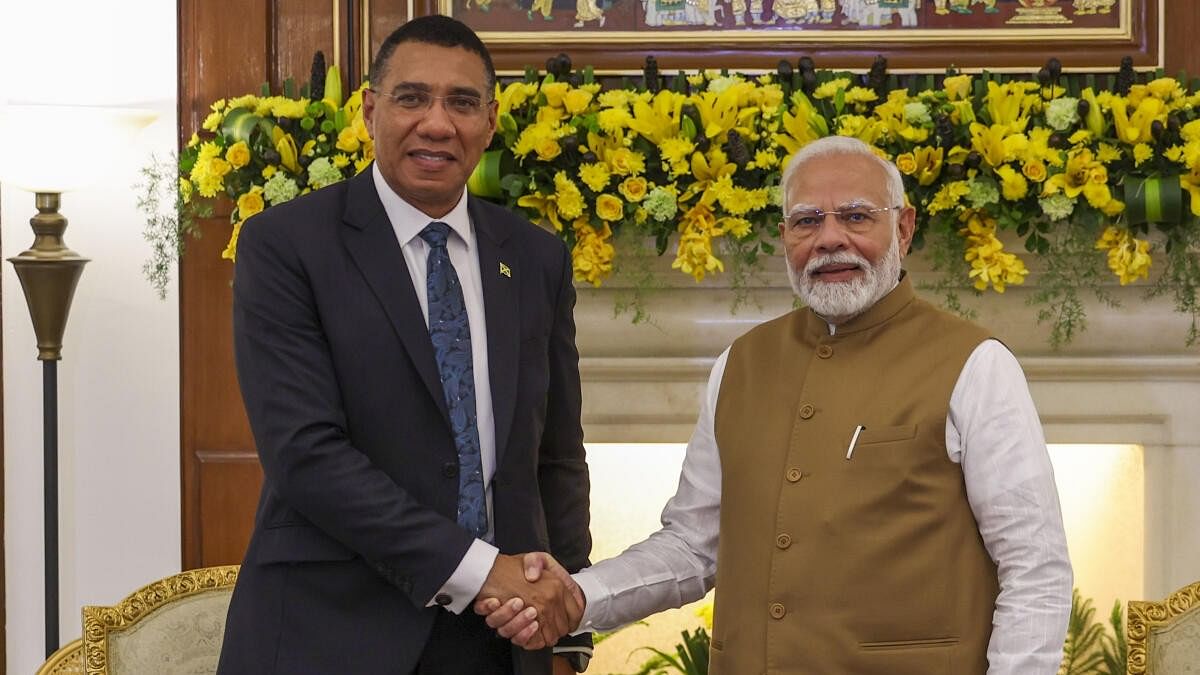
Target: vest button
(794, 475)
(824, 351)
(450, 469)
(778, 611)
(806, 411)
(783, 540)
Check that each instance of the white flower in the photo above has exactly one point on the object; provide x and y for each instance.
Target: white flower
(1057, 206)
(1062, 113)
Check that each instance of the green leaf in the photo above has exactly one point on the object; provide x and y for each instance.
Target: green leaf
(239, 123)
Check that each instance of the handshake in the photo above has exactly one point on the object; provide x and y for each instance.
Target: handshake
(525, 606)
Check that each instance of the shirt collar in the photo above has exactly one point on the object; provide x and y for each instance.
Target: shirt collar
(408, 220)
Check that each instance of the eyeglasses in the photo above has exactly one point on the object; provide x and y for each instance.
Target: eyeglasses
(856, 219)
(458, 105)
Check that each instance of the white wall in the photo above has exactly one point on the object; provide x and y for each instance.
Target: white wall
(119, 377)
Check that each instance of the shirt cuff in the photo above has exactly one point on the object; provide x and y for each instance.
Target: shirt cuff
(464, 584)
(594, 595)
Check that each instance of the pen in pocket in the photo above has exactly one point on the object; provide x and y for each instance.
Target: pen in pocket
(854, 440)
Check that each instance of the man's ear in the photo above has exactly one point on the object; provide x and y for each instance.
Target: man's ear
(905, 229)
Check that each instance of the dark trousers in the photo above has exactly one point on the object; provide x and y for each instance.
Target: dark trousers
(463, 644)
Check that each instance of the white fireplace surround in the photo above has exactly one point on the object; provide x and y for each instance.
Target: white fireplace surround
(1129, 378)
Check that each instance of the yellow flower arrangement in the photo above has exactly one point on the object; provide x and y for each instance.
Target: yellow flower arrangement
(260, 151)
(1058, 164)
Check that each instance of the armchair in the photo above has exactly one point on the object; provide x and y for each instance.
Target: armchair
(1164, 637)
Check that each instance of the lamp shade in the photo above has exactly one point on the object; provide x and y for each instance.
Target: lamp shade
(55, 148)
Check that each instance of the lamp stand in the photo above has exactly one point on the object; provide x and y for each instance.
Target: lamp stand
(49, 272)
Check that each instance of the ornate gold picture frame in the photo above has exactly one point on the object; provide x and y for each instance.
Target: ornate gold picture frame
(617, 35)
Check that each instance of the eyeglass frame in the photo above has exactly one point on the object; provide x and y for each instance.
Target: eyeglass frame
(483, 102)
(838, 215)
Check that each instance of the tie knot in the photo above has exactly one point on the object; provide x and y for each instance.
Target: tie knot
(435, 234)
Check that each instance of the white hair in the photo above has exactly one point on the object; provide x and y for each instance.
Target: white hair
(840, 145)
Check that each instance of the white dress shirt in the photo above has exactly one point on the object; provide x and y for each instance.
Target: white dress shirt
(993, 432)
(408, 221)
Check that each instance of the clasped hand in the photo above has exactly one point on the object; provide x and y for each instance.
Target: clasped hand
(525, 606)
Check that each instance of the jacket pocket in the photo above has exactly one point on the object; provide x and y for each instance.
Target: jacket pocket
(297, 543)
(908, 644)
(874, 435)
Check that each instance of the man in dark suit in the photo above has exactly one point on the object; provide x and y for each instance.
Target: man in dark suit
(407, 360)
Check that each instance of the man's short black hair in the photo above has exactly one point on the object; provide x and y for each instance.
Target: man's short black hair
(434, 30)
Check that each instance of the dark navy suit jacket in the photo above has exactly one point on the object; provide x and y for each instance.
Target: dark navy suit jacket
(355, 529)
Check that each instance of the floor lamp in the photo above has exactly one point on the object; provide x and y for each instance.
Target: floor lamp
(48, 270)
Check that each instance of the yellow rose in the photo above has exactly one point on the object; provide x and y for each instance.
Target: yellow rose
(238, 155)
(1034, 171)
(577, 100)
(907, 163)
(348, 140)
(547, 148)
(554, 92)
(957, 87)
(609, 207)
(634, 188)
(250, 203)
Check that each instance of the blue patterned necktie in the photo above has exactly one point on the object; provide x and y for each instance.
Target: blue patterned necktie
(451, 335)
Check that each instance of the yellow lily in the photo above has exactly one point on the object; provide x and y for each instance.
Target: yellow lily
(719, 112)
(658, 120)
(285, 145)
(929, 164)
(707, 171)
(1095, 116)
(1009, 104)
(803, 127)
(996, 144)
(1135, 128)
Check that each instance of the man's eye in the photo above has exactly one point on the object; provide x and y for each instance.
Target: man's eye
(857, 216)
(462, 103)
(806, 221)
(410, 100)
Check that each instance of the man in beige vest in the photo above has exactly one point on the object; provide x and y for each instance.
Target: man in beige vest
(876, 466)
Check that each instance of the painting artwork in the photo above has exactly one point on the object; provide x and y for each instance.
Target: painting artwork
(628, 20)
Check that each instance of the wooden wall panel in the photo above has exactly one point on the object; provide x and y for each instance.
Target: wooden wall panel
(1183, 22)
(226, 483)
(226, 48)
(298, 30)
(382, 17)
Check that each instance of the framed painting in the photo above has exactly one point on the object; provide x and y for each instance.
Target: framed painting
(616, 36)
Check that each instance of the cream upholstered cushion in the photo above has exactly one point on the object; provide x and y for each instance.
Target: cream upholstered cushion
(180, 638)
(1174, 648)
(1164, 637)
(173, 626)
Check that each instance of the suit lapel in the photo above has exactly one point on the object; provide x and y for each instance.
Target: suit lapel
(502, 309)
(372, 244)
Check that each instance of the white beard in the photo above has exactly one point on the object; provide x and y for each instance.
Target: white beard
(846, 299)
